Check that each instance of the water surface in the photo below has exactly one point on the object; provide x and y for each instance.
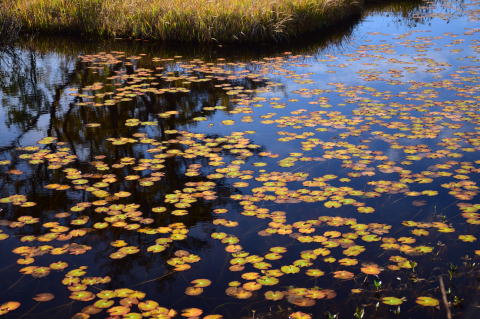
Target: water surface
(314, 179)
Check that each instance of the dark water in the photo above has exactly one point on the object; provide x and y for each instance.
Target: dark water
(336, 172)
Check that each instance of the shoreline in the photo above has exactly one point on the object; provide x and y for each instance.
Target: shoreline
(198, 21)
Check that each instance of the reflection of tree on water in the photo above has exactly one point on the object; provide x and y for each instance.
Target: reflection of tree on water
(68, 124)
(31, 90)
(69, 121)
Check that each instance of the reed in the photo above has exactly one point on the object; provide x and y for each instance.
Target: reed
(9, 25)
(181, 20)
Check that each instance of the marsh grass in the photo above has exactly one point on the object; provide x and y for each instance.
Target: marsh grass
(182, 20)
(9, 25)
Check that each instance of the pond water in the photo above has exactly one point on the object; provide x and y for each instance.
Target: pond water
(333, 178)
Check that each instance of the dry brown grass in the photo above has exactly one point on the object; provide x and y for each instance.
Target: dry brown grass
(9, 25)
(182, 20)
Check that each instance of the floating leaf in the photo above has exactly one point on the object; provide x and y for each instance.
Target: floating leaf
(9, 306)
(43, 297)
(191, 312)
(300, 315)
(343, 274)
(427, 301)
(392, 301)
(370, 269)
(274, 295)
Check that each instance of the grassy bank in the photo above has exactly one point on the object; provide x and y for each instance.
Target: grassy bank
(9, 25)
(181, 20)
